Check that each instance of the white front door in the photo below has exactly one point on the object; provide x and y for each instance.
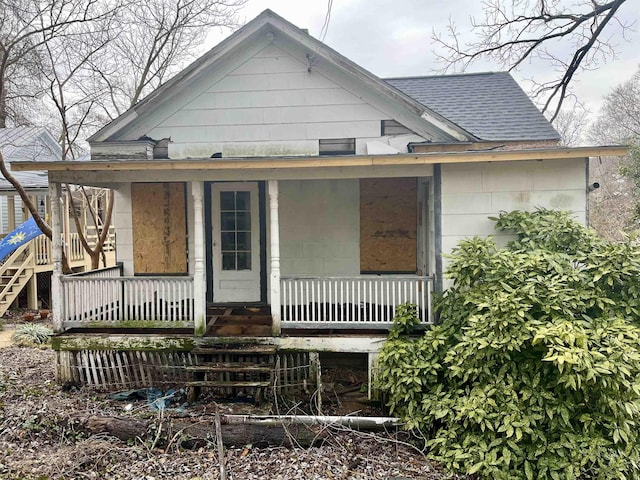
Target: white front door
(236, 242)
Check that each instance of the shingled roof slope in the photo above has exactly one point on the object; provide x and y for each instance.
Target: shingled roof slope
(27, 144)
(491, 106)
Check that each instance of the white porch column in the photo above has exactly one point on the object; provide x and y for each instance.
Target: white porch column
(199, 276)
(57, 304)
(275, 257)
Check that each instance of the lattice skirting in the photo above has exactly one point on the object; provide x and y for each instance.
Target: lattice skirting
(111, 370)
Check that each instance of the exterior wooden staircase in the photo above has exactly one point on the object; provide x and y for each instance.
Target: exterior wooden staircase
(15, 273)
(233, 371)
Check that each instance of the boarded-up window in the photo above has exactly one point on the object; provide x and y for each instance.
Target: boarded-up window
(388, 224)
(159, 228)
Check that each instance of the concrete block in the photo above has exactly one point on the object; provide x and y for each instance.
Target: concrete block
(466, 203)
(467, 225)
(507, 177)
(461, 178)
(560, 174)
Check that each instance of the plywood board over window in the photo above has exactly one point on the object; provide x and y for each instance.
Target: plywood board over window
(388, 225)
(158, 213)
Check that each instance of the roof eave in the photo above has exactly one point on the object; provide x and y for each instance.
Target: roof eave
(327, 161)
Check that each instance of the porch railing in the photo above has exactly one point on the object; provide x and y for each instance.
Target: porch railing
(365, 301)
(76, 251)
(43, 253)
(42, 247)
(104, 298)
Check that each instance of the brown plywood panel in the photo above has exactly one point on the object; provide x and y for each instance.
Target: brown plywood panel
(388, 224)
(158, 214)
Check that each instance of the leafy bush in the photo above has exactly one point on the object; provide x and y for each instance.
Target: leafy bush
(533, 371)
(28, 334)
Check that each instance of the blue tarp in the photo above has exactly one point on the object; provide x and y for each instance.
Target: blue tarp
(21, 235)
(155, 398)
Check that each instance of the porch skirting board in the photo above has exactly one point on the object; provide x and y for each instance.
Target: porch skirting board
(113, 370)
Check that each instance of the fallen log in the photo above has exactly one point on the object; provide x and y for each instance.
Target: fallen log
(237, 430)
(198, 432)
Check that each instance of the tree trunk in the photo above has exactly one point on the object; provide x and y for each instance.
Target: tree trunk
(197, 432)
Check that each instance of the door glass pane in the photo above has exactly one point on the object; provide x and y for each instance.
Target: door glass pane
(228, 241)
(243, 220)
(228, 261)
(244, 241)
(243, 201)
(226, 201)
(227, 221)
(244, 261)
(235, 230)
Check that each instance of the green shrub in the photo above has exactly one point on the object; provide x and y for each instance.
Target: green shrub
(29, 334)
(533, 371)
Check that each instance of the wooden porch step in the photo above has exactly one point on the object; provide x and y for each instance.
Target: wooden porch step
(234, 367)
(9, 277)
(227, 384)
(237, 350)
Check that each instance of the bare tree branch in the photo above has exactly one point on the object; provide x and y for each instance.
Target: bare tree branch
(513, 33)
(91, 60)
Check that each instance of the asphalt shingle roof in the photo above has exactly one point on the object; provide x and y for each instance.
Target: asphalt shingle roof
(27, 144)
(491, 106)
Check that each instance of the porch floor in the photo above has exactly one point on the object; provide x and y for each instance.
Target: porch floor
(234, 321)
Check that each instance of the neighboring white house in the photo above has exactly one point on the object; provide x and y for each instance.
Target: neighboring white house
(274, 172)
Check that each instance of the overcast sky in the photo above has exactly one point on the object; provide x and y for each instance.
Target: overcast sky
(392, 38)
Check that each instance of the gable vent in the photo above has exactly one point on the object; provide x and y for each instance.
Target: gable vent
(337, 146)
(391, 127)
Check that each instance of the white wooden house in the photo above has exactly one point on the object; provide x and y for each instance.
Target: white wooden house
(275, 178)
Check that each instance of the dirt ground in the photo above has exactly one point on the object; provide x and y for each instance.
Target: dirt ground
(5, 335)
(38, 441)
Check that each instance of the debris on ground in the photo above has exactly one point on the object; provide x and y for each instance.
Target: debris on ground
(39, 440)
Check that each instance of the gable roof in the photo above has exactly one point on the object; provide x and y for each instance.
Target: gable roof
(21, 144)
(269, 24)
(491, 106)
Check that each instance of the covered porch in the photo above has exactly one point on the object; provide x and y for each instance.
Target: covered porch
(264, 260)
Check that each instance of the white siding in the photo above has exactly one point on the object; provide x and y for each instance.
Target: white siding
(269, 105)
(4, 213)
(473, 192)
(123, 226)
(320, 227)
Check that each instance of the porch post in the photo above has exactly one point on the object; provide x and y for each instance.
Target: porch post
(57, 301)
(199, 280)
(275, 257)
(11, 212)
